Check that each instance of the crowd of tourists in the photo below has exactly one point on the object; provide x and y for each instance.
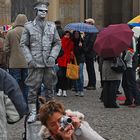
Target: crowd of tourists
(36, 54)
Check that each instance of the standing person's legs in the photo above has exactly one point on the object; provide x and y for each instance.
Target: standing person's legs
(16, 73)
(20, 75)
(56, 70)
(125, 84)
(91, 72)
(24, 74)
(133, 86)
(34, 81)
(105, 93)
(118, 86)
(50, 81)
(60, 76)
(66, 83)
(80, 81)
(112, 93)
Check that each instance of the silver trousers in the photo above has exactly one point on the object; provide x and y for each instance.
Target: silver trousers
(36, 77)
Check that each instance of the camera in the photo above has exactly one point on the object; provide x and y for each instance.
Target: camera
(64, 121)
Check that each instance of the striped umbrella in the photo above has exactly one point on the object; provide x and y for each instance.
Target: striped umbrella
(134, 24)
(135, 20)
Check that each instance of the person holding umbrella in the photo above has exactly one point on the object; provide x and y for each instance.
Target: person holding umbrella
(90, 56)
(129, 77)
(110, 43)
(79, 52)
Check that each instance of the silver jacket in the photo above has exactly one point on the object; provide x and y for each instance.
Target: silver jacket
(37, 46)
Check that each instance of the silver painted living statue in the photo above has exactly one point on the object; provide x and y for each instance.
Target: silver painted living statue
(41, 45)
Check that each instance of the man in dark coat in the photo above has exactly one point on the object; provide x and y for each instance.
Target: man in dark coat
(90, 56)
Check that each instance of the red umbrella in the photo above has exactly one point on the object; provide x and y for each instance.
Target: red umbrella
(113, 40)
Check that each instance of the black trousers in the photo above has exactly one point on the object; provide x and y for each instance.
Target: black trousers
(91, 72)
(109, 93)
(130, 86)
(63, 82)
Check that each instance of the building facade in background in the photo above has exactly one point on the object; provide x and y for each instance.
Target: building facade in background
(5, 12)
(104, 12)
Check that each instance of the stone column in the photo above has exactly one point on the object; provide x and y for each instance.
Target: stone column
(89, 8)
(53, 13)
(136, 7)
(5, 16)
(98, 12)
(127, 10)
(22, 7)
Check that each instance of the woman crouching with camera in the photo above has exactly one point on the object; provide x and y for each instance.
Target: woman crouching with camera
(59, 124)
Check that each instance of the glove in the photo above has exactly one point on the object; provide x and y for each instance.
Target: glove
(32, 64)
(50, 62)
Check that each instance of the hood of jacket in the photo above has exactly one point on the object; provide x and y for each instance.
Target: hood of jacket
(20, 20)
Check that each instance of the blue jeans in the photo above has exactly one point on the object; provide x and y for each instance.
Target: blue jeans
(79, 84)
(20, 75)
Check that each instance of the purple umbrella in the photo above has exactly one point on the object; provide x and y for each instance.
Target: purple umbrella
(113, 40)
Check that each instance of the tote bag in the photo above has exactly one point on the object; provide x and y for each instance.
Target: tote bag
(72, 71)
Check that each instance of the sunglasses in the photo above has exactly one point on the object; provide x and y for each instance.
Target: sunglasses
(43, 10)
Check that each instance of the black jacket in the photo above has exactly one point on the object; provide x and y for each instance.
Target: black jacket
(79, 51)
(89, 42)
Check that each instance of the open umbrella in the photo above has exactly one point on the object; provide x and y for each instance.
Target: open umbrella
(135, 20)
(80, 26)
(134, 24)
(136, 31)
(113, 40)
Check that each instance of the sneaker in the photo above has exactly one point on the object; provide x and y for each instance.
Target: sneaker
(64, 93)
(59, 93)
(91, 88)
(82, 94)
(32, 116)
(77, 94)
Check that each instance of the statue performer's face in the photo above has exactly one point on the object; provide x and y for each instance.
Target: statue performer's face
(42, 13)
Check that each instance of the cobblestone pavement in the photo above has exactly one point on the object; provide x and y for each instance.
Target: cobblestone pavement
(114, 124)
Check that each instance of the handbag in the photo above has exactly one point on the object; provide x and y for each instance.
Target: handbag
(72, 71)
(118, 65)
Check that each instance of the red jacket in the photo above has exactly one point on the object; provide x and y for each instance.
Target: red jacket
(67, 46)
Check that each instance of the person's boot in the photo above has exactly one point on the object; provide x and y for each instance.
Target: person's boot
(33, 114)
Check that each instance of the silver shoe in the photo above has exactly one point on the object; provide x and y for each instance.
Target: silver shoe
(32, 116)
